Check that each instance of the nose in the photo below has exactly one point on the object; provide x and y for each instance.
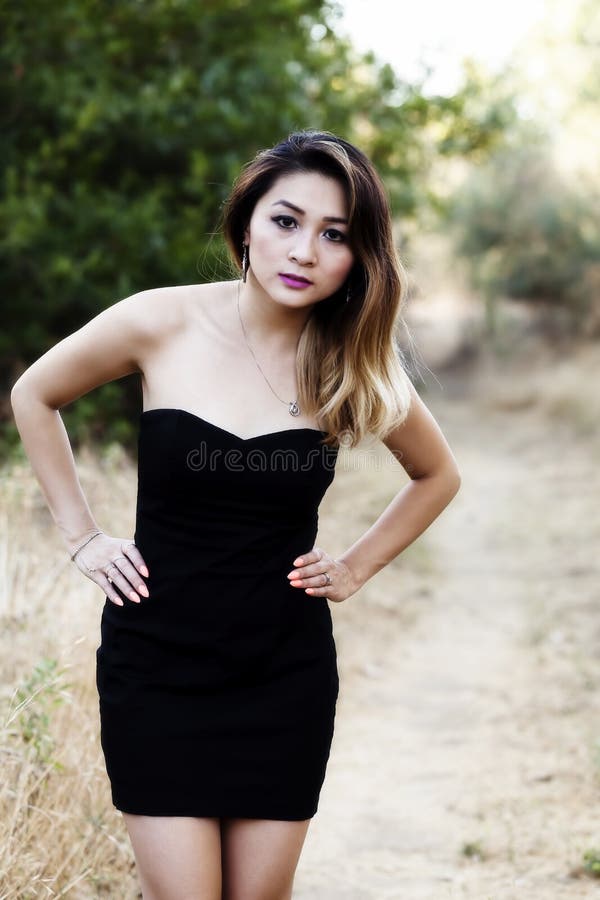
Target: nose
(303, 252)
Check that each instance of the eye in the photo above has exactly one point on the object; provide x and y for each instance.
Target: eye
(284, 221)
(335, 235)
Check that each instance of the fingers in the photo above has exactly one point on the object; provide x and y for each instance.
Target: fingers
(132, 552)
(101, 580)
(314, 581)
(309, 566)
(131, 574)
(123, 575)
(113, 565)
(309, 574)
(310, 570)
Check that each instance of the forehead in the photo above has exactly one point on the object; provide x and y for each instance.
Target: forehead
(314, 192)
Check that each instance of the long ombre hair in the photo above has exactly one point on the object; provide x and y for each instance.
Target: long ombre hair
(349, 365)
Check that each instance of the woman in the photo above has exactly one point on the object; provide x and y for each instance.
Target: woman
(216, 671)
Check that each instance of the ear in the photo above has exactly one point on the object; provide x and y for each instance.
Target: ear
(247, 234)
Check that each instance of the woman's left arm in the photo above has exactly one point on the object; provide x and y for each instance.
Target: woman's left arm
(422, 450)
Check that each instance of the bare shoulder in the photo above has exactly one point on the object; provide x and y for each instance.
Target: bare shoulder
(183, 324)
(118, 341)
(178, 305)
(204, 303)
(156, 313)
(162, 314)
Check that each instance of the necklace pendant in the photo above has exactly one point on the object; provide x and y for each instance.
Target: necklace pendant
(294, 409)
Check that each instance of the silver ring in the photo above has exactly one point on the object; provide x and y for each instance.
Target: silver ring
(114, 566)
(328, 577)
(107, 570)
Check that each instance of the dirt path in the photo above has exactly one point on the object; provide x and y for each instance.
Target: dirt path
(464, 763)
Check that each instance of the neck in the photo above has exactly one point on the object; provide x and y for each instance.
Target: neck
(273, 327)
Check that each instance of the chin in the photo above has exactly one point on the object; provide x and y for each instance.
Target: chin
(291, 296)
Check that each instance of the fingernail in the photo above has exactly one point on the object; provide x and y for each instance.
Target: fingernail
(143, 590)
(292, 574)
(134, 596)
(299, 561)
(144, 571)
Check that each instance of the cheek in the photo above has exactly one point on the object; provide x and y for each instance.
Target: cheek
(262, 245)
(342, 265)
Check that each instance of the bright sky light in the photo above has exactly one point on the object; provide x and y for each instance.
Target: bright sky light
(402, 32)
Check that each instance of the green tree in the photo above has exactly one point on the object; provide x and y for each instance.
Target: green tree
(529, 233)
(125, 124)
(526, 217)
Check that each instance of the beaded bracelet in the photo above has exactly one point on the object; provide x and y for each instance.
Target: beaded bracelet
(96, 533)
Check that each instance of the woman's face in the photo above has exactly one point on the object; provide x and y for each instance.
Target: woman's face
(298, 239)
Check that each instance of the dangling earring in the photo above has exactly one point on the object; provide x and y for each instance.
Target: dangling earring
(245, 263)
(348, 293)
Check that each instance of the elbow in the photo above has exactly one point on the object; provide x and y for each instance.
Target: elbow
(457, 483)
(447, 476)
(16, 399)
(21, 394)
(17, 392)
(449, 479)
(454, 481)
(453, 474)
(26, 392)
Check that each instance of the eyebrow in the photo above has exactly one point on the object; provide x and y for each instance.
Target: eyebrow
(301, 211)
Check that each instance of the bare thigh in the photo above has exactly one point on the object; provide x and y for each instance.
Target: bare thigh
(177, 857)
(260, 857)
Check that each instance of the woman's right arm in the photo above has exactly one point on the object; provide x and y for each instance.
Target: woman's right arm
(110, 346)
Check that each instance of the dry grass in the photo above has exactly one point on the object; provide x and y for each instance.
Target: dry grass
(61, 836)
(564, 387)
(59, 833)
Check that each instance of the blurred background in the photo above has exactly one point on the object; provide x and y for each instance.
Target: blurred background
(124, 125)
(467, 744)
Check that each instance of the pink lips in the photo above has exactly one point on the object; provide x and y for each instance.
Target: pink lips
(294, 281)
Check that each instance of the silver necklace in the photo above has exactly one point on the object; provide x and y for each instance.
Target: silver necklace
(293, 408)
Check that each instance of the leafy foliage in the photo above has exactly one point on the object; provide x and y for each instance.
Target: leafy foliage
(36, 699)
(126, 123)
(526, 217)
(591, 862)
(530, 233)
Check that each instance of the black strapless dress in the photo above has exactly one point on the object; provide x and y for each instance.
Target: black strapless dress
(217, 693)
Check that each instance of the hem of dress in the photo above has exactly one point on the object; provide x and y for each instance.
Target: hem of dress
(211, 813)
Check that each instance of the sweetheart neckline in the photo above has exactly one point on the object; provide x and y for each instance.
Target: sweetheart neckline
(244, 440)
